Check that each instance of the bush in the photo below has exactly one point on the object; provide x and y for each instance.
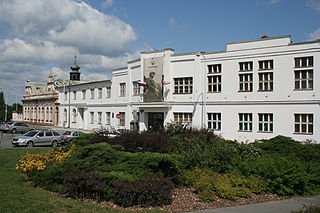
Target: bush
(142, 142)
(151, 190)
(83, 184)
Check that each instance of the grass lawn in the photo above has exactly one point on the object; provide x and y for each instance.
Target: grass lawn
(17, 196)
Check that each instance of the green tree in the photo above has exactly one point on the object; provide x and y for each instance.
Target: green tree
(2, 106)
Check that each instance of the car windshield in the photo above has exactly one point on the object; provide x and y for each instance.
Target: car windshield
(9, 123)
(31, 133)
(67, 133)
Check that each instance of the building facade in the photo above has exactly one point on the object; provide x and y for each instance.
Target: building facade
(40, 103)
(254, 89)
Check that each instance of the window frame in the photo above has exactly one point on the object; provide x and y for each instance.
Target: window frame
(245, 120)
(122, 91)
(211, 121)
(265, 124)
(300, 123)
(180, 85)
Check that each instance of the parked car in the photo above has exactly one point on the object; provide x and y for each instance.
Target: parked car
(67, 136)
(38, 138)
(14, 127)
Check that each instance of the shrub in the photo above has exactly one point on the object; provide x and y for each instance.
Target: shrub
(83, 184)
(142, 142)
(151, 190)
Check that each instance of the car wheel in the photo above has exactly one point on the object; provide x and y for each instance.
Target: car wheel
(54, 144)
(13, 131)
(30, 144)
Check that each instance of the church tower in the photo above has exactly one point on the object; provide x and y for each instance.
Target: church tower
(75, 74)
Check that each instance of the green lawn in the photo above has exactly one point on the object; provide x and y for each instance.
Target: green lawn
(17, 196)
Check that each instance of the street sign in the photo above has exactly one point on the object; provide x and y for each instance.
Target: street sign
(118, 116)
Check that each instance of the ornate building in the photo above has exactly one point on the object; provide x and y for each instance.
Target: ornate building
(41, 101)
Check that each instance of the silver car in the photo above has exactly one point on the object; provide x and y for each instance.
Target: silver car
(67, 136)
(14, 127)
(38, 138)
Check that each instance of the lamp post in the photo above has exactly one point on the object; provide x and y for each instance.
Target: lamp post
(204, 92)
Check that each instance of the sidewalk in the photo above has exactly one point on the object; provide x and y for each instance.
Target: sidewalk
(280, 206)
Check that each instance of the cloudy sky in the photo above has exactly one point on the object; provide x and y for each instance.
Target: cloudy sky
(41, 35)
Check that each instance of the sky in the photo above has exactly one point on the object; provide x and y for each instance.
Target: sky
(37, 36)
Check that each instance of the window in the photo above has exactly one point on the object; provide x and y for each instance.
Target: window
(303, 62)
(266, 81)
(246, 66)
(92, 93)
(303, 79)
(122, 118)
(91, 117)
(99, 117)
(74, 116)
(65, 115)
(99, 93)
(214, 83)
(83, 94)
(245, 122)
(183, 85)
(182, 117)
(265, 122)
(122, 89)
(74, 95)
(108, 118)
(65, 96)
(108, 92)
(303, 123)
(245, 82)
(214, 121)
(215, 68)
(266, 65)
(49, 134)
(136, 88)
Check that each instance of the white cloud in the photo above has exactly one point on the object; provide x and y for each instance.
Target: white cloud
(315, 4)
(107, 3)
(44, 33)
(315, 35)
(178, 27)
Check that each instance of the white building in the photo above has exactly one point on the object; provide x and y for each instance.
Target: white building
(255, 89)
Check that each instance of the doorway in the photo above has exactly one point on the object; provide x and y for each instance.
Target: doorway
(155, 120)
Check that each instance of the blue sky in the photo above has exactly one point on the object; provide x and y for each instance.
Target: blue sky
(41, 35)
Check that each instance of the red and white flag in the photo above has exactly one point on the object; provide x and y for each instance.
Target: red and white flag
(166, 82)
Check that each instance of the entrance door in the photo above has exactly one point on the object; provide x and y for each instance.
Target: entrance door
(155, 120)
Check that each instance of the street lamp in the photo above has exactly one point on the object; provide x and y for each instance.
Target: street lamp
(204, 92)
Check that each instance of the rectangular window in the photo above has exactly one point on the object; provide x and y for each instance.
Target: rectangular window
(136, 88)
(83, 94)
(214, 83)
(99, 117)
(183, 85)
(265, 122)
(122, 89)
(74, 116)
(214, 121)
(303, 62)
(245, 82)
(245, 122)
(91, 117)
(92, 93)
(99, 93)
(303, 79)
(74, 95)
(246, 66)
(108, 92)
(265, 81)
(108, 118)
(182, 117)
(266, 65)
(303, 123)
(65, 96)
(122, 118)
(214, 68)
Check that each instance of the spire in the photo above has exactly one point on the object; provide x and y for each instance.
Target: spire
(75, 74)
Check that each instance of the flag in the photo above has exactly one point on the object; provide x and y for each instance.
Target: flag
(166, 82)
(142, 84)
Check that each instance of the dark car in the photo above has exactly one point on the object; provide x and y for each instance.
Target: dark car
(14, 127)
(67, 136)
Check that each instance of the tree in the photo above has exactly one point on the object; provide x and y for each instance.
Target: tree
(2, 106)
